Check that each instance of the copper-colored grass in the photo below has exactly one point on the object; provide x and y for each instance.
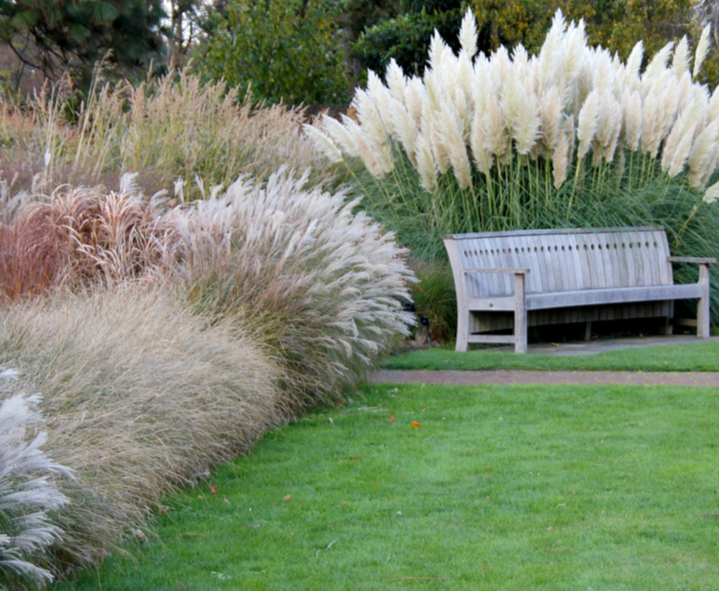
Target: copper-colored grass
(139, 396)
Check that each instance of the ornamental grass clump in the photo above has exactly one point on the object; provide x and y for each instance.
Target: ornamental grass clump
(139, 396)
(570, 137)
(321, 286)
(164, 129)
(78, 237)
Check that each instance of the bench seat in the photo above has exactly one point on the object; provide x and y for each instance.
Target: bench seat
(573, 273)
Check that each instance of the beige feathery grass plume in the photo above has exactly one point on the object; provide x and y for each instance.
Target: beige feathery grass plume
(340, 135)
(575, 44)
(482, 158)
(681, 153)
(670, 144)
(604, 71)
(588, 121)
(468, 34)
(414, 98)
(324, 143)
(366, 151)
(560, 160)
(526, 128)
(463, 86)
(501, 64)
(452, 134)
(436, 49)
(610, 126)
(680, 63)
(657, 65)
(713, 112)
(380, 95)
(702, 154)
(425, 163)
(496, 137)
(632, 118)
(439, 151)
(634, 64)
(373, 130)
(549, 60)
(396, 81)
(711, 194)
(550, 112)
(651, 126)
(406, 129)
(701, 51)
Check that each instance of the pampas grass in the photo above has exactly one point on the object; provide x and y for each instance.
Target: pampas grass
(140, 396)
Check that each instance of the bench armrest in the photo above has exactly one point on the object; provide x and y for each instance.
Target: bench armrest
(694, 260)
(505, 271)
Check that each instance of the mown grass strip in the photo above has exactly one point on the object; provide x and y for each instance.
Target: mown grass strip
(702, 356)
(498, 488)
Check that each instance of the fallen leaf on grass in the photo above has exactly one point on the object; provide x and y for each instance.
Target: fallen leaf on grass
(355, 457)
(392, 419)
(213, 490)
(415, 425)
(288, 497)
(224, 500)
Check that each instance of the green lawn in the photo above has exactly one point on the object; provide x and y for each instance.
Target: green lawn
(702, 356)
(528, 487)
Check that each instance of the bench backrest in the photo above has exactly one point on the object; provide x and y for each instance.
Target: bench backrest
(561, 260)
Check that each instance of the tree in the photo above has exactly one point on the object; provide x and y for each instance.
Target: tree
(406, 38)
(55, 36)
(615, 24)
(281, 50)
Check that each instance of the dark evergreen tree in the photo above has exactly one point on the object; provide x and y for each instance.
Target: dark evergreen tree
(55, 36)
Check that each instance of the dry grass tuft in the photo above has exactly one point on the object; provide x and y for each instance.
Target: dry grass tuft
(320, 285)
(140, 395)
(165, 129)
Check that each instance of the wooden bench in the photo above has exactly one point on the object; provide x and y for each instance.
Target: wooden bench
(537, 277)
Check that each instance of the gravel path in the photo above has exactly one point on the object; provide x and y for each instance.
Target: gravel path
(508, 377)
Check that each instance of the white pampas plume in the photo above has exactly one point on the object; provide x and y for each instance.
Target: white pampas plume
(482, 158)
(588, 119)
(323, 143)
(405, 128)
(632, 117)
(439, 152)
(550, 57)
(681, 154)
(366, 152)
(560, 160)
(680, 63)
(574, 50)
(425, 163)
(396, 81)
(436, 48)
(340, 135)
(658, 63)
(414, 98)
(609, 124)
(634, 63)
(451, 130)
(701, 52)
(550, 111)
(495, 132)
(468, 34)
(702, 154)
(712, 194)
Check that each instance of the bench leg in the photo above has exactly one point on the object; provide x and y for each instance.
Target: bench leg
(703, 304)
(587, 331)
(520, 316)
(463, 321)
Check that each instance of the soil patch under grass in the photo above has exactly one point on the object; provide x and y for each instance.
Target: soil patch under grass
(532, 487)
